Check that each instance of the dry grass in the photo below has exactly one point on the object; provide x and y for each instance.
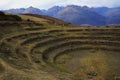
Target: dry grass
(53, 51)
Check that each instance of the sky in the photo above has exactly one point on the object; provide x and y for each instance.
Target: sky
(45, 4)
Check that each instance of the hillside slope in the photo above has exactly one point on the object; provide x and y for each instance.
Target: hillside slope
(58, 52)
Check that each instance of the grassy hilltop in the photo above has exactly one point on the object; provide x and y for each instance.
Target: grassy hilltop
(39, 47)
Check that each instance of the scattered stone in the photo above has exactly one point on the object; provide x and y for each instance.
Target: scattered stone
(37, 62)
(117, 77)
(92, 73)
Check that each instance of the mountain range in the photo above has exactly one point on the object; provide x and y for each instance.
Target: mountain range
(97, 16)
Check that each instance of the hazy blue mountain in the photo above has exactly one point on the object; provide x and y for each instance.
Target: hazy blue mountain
(112, 14)
(80, 15)
(77, 14)
(52, 11)
(100, 10)
(32, 10)
(15, 11)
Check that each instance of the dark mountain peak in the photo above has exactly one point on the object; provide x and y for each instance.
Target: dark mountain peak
(33, 10)
(54, 10)
(86, 7)
(18, 9)
(73, 6)
(31, 7)
(56, 7)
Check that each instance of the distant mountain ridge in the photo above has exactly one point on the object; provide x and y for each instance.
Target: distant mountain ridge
(80, 15)
(77, 14)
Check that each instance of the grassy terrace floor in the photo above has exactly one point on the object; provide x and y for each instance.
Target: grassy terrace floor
(59, 52)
